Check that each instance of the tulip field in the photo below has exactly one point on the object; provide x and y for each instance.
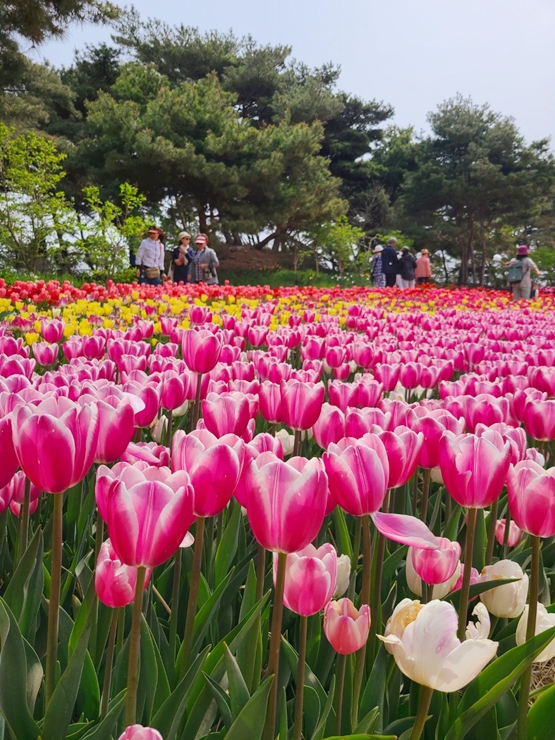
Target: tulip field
(243, 513)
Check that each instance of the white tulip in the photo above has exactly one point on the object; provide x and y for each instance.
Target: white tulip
(544, 620)
(423, 640)
(506, 601)
(158, 429)
(287, 441)
(343, 576)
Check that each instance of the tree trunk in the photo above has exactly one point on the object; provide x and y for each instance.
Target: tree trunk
(483, 260)
(463, 273)
(202, 222)
(237, 239)
(261, 244)
(472, 262)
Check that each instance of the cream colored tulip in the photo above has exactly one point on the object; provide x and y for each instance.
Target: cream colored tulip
(506, 601)
(343, 575)
(423, 640)
(544, 620)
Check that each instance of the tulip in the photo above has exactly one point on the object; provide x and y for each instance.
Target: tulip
(346, 627)
(7, 452)
(439, 590)
(214, 466)
(515, 533)
(343, 576)
(424, 643)
(114, 581)
(148, 452)
(432, 427)
(44, 353)
(52, 331)
(439, 565)
(310, 579)
(116, 427)
(15, 492)
(265, 442)
(532, 498)
(330, 426)
(270, 402)
(539, 419)
(544, 621)
(138, 732)
(301, 403)
(56, 442)
(201, 350)
(403, 449)
(474, 578)
(506, 601)
(226, 413)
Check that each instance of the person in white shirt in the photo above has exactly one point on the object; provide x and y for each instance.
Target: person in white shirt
(150, 259)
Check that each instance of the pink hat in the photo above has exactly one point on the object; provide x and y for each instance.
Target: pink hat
(522, 249)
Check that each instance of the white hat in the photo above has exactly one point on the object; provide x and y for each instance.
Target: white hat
(378, 248)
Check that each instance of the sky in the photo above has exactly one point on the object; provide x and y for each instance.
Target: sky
(411, 54)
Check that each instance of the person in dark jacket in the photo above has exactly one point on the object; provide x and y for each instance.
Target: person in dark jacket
(390, 263)
(407, 266)
(182, 257)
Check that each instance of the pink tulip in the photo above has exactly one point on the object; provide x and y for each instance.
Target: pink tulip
(436, 566)
(213, 464)
(115, 582)
(310, 578)
(285, 507)
(432, 427)
(388, 375)
(342, 394)
(148, 452)
(403, 449)
(515, 533)
(149, 396)
(148, 520)
(265, 442)
(346, 627)
(226, 413)
(515, 436)
(173, 390)
(138, 732)
(52, 331)
(330, 426)
(359, 421)
(201, 349)
(7, 452)
(301, 403)
(15, 492)
(44, 353)
(532, 498)
(116, 427)
(539, 419)
(473, 468)
(409, 375)
(56, 442)
(270, 402)
(369, 392)
(475, 577)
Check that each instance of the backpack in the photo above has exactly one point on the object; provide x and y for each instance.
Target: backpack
(516, 272)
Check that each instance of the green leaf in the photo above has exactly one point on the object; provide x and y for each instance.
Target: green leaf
(228, 545)
(367, 722)
(493, 681)
(362, 737)
(205, 614)
(24, 592)
(167, 719)
(221, 699)
(105, 730)
(60, 709)
(541, 716)
(250, 722)
(311, 713)
(342, 532)
(374, 692)
(14, 679)
(476, 589)
(148, 674)
(238, 691)
(309, 677)
(321, 727)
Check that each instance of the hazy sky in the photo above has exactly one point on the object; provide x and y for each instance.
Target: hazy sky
(412, 54)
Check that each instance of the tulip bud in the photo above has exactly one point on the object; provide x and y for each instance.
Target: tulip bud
(158, 429)
(310, 578)
(544, 621)
(138, 732)
(345, 626)
(506, 601)
(515, 533)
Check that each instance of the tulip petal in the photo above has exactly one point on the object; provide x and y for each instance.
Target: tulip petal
(408, 530)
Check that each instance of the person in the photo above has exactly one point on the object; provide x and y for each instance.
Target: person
(150, 259)
(423, 271)
(389, 262)
(182, 257)
(407, 267)
(378, 278)
(204, 264)
(520, 269)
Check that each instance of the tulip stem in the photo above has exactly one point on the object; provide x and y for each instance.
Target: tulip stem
(193, 597)
(425, 494)
(364, 599)
(196, 408)
(108, 666)
(376, 588)
(415, 492)
(424, 700)
(134, 650)
(24, 522)
(341, 666)
(354, 558)
(260, 572)
(297, 443)
(174, 605)
(299, 699)
(275, 643)
(507, 532)
(54, 603)
(465, 588)
(524, 693)
(492, 521)
(99, 537)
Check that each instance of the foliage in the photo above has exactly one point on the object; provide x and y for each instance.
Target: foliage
(337, 242)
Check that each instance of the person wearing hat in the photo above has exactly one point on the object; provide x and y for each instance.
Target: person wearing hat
(520, 273)
(423, 271)
(150, 259)
(204, 264)
(390, 258)
(182, 257)
(378, 278)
